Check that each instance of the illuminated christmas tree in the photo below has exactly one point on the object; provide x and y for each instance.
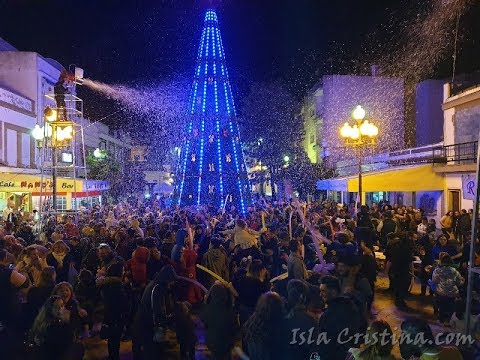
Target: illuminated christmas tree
(212, 165)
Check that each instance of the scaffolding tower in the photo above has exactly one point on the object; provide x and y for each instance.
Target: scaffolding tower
(61, 152)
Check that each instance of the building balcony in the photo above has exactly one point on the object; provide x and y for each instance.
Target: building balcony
(456, 157)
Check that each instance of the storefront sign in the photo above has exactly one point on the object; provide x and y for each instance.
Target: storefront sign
(16, 100)
(32, 183)
(469, 186)
(95, 185)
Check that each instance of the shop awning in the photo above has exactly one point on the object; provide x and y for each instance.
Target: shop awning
(333, 184)
(414, 178)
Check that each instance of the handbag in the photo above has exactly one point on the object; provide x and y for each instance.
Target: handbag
(159, 331)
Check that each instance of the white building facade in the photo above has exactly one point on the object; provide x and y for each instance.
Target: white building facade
(25, 80)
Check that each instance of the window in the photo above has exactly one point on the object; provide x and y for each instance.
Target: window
(61, 203)
(26, 149)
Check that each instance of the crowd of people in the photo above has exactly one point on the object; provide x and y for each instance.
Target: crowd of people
(284, 281)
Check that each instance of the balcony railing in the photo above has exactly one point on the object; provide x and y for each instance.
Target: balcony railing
(456, 154)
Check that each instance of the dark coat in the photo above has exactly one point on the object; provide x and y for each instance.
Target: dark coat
(341, 314)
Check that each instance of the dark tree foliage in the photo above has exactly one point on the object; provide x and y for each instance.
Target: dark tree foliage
(125, 178)
(269, 128)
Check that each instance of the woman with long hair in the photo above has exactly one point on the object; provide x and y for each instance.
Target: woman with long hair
(218, 317)
(38, 294)
(52, 332)
(264, 331)
(378, 343)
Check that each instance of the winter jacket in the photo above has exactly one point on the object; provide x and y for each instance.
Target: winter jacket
(341, 314)
(218, 317)
(296, 267)
(447, 280)
(217, 261)
(136, 267)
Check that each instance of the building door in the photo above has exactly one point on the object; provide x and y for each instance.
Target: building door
(453, 200)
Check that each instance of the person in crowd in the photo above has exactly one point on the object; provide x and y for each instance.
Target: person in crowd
(378, 345)
(52, 332)
(38, 294)
(218, 316)
(422, 228)
(425, 248)
(250, 288)
(446, 222)
(87, 295)
(115, 303)
(341, 246)
(400, 255)
(442, 245)
(77, 314)
(156, 259)
(464, 226)
(185, 330)
(341, 313)
(31, 264)
(136, 268)
(426, 349)
(71, 230)
(386, 226)
(353, 283)
(107, 258)
(296, 265)
(61, 260)
(216, 260)
(11, 281)
(458, 321)
(447, 281)
(243, 236)
(152, 316)
(299, 318)
(262, 336)
(58, 234)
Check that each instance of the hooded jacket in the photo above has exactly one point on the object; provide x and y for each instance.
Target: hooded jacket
(137, 266)
(179, 244)
(216, 260)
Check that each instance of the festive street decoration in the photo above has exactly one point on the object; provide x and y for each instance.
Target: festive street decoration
(212, 167)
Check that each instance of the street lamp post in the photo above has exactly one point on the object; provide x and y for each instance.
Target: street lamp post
(363, 133)
(55, 134)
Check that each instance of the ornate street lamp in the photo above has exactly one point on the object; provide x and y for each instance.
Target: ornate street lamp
(363, 133)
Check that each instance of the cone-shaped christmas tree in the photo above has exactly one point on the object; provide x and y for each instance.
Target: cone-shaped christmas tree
(212, 166)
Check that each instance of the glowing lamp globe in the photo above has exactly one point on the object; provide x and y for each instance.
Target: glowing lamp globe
(286, 158)
(37, 133)
(346, 130)
(358, 113)
(355, 133)
(97, 153)
(365, 128)
(50, 114)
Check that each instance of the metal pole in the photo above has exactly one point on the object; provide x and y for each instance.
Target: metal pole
(473, 239)
(360, 176)
(54, 179)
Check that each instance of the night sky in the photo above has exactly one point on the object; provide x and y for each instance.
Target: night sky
(140, 42)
